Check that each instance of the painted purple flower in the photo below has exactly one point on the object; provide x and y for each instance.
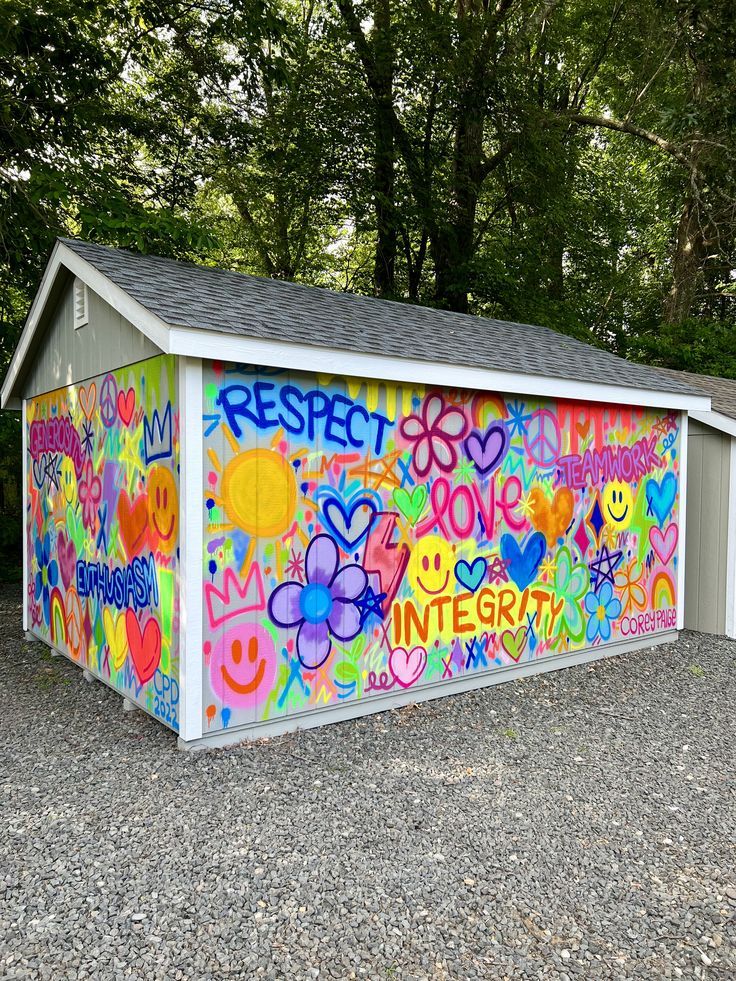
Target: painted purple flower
(324, 606)
(434, 434)
(90, 493)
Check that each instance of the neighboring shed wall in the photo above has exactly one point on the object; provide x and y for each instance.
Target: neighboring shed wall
(706, 572)
(65, 355)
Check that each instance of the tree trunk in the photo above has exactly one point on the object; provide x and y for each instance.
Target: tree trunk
(384, 273)
(690, 253)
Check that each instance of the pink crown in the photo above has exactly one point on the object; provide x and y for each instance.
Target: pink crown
(235, 599)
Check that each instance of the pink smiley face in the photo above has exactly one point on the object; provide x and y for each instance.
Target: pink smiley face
(243, 666)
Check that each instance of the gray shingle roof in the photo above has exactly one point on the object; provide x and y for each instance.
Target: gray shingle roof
(182, 294)
(722, 391)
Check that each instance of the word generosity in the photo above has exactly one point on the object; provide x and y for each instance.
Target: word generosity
(625, 463)
(340, 420)
(469, 613)
(56, 436)
(134, 585)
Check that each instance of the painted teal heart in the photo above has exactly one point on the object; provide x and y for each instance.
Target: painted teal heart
(471, 576)
(661, 496)
(522, 566)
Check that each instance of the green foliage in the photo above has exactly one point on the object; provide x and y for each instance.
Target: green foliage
(565, 164)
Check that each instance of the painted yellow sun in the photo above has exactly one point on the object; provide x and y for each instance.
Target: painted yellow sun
(259, 492)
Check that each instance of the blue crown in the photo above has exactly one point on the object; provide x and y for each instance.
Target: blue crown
(157, 436)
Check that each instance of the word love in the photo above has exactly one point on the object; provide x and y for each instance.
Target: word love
(627, 463)
(456, 509)
(336, 417)
(134, 585)
(468, 613)
(56, 436)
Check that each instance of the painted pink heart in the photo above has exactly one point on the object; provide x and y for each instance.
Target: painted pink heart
(488, 449)
(67, 558)
(407, 666)
(664, 544)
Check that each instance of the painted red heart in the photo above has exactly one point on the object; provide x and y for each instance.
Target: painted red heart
(144, 647)
(133, 522)
(67, 558)
(126, 404)
(664, 544)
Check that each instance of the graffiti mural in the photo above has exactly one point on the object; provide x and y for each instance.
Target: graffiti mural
(103, 542)
(363, 539)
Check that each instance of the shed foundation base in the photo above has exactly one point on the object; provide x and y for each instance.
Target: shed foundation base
(129, 706)
(392, 700)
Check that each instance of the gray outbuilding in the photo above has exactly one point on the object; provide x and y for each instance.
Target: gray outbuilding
(710, 562)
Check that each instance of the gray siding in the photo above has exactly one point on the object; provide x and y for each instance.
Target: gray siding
(65, 355)
(706, 543)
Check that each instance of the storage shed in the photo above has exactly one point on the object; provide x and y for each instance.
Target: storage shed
(254, 506)
(710, 566)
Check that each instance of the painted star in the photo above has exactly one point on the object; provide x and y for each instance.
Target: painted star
(525, 505)
(518, 418)
(603, 567)
(370, 604)
(548, 567)
(464, 472)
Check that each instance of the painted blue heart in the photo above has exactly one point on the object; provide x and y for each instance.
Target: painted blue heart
(348, 521)
(471, 576)
(522, 566)
(661, 496)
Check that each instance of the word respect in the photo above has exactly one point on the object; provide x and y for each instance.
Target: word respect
(337, 417)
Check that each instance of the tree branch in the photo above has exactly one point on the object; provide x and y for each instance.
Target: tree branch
(623, 126)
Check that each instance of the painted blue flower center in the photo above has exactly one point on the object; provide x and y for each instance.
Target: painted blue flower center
(315, 602)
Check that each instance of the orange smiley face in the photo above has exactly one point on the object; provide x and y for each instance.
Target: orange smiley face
(163, 509)
(243, 666)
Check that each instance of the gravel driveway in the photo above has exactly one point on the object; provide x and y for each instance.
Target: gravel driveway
(574, 825)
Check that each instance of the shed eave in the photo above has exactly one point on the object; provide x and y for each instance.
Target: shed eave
(193, 342)
(62, 257)
(716, 420)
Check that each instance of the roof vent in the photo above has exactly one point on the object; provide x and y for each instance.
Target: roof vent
(81, 311)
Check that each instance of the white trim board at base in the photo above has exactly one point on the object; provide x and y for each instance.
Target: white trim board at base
(440, 689)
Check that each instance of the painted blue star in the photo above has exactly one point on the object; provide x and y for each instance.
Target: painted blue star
(599, 574)
(370, 603)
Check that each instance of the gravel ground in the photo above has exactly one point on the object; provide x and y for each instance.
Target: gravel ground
(574, 825)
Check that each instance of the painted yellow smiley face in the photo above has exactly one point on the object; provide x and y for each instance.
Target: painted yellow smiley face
(68, 478)
(430, 566)
(163, 508)
(618, 503)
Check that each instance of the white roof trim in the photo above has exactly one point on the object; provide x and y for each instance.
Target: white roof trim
(147, 323)
(198, 343)
(305, 357)
(716, 420)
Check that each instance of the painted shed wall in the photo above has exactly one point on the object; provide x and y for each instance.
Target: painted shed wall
(367, 541)
(706, 562)
(65, 356)
(102, 529)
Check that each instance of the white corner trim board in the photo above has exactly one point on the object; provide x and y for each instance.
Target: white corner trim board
(731, 545)
(682, 524)
(191, 548)
(188, 341)
(146, 322)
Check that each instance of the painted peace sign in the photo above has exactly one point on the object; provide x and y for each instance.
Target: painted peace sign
(543, 439)
(109, 401)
